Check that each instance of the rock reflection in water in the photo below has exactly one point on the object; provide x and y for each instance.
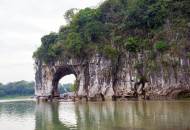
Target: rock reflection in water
(152, 115)
(47, 117)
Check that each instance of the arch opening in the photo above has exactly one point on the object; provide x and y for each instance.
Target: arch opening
(67, 84)
(63, 81)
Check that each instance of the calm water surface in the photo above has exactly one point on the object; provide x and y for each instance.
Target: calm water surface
(142, 115)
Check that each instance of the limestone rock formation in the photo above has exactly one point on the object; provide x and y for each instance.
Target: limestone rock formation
(98, 78)
(120, 50)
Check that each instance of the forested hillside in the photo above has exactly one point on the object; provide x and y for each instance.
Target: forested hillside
(20, 88)
(24, 88)
(155, 27)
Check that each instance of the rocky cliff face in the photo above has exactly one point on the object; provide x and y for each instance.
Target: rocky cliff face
(127, 49)
(100, 78)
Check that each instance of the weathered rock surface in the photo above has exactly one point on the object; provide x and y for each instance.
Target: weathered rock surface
(101, 78)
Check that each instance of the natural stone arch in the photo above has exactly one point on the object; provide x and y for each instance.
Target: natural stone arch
(48, 75)
(94, 77)
(60, 73)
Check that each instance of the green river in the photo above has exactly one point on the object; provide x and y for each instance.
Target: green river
(131, 115)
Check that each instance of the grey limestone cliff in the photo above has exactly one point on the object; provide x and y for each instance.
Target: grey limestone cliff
(98, 78)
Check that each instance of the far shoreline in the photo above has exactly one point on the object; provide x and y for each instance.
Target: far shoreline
(16, 97)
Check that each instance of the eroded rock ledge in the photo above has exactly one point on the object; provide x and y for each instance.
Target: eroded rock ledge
(99, 78)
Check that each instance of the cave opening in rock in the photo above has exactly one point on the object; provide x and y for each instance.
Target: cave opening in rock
(64, 80)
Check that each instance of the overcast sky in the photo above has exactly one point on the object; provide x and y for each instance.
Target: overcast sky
(22, 24)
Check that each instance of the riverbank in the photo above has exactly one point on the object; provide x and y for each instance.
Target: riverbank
(15, 97)
(121, 99)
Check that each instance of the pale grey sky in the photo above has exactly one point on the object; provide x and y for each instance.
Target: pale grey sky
(22, 24)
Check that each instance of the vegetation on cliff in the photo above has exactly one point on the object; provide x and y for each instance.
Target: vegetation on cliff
(135, 25)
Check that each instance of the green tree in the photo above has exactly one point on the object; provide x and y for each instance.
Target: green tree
(45, 51)
(132, 44)
(74, 43)
(73, 87)
(70, 14)
(161, 46)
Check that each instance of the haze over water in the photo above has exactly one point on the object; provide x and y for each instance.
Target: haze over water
(141, 115)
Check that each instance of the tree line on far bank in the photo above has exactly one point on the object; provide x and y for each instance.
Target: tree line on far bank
(25, 88)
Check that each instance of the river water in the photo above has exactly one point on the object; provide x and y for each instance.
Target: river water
(132, 115)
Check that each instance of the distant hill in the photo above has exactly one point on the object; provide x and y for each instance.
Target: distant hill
(24, 88)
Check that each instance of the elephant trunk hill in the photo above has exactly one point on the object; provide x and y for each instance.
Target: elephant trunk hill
(120, 49)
